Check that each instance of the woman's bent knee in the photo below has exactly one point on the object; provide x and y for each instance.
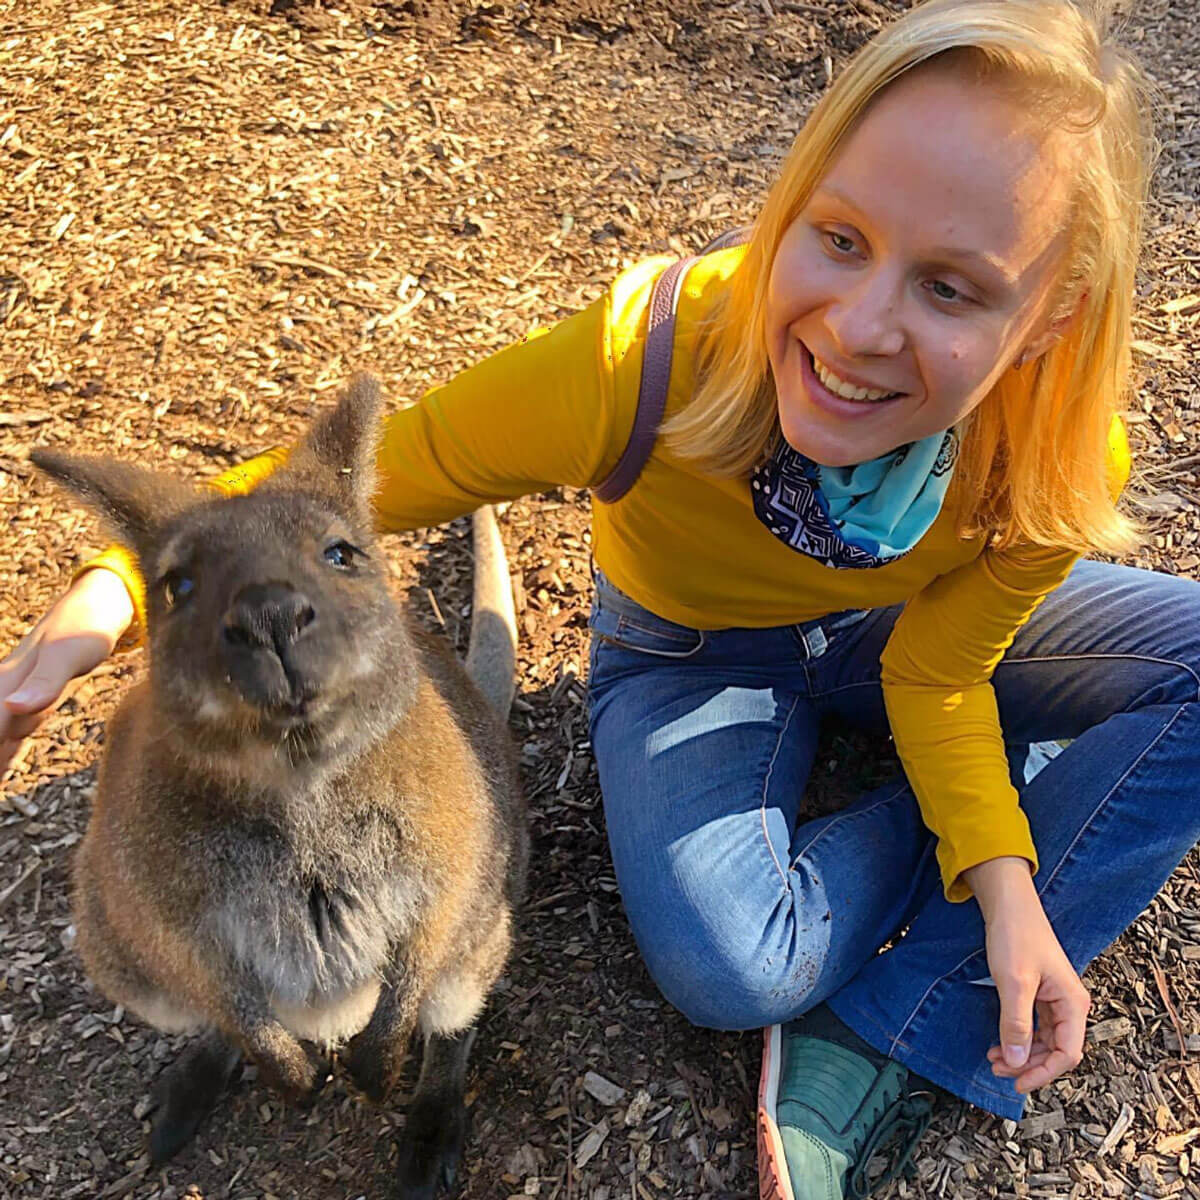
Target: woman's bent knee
(719, 989)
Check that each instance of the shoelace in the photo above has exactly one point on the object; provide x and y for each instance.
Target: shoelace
(904, 1120)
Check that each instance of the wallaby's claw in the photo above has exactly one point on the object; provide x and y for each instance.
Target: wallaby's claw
(322, 1074)
(186, 1092)
(431, 1149)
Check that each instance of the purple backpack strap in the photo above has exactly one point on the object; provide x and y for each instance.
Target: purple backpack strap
(656, 373)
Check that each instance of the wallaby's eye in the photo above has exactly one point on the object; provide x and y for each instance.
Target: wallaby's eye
(177, 587)
(342, 554)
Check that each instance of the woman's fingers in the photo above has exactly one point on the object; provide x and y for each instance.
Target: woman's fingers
(52, 667)
(77, 633)
(1057, 1046)
(34, 682)
(1056, 1064)
(17, 663)
(19, 728)
(1063, 1023)
(1037, 1056)
(1018, 991)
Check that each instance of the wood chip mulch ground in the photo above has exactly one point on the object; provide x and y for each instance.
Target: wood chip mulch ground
(211, 213)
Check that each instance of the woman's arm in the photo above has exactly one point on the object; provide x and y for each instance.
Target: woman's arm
(937, 669)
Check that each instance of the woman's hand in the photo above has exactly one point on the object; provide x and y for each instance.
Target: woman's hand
(1030, 972)
(74, 637)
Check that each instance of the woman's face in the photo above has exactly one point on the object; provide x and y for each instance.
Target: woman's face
(919, 269)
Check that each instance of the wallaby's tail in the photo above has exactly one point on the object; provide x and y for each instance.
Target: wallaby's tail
(492, 652)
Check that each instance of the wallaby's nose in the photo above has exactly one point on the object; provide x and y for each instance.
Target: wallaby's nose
(267, 615)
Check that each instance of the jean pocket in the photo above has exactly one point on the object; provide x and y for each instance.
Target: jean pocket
(628, 626)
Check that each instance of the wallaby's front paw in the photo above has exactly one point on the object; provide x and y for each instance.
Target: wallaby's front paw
(372, 1067)
(186, 1092)
(431, 1149)
(288, 1068)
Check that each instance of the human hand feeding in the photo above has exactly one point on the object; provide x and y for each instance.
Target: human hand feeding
(1032, 974)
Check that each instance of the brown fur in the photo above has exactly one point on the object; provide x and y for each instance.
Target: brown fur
(308, 813)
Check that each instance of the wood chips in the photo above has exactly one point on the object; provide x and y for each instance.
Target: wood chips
(211, 213)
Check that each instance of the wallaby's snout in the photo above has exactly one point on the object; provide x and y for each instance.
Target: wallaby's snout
(259, 636)
(267, 616)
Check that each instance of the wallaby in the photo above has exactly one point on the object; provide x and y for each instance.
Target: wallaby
(308, 826)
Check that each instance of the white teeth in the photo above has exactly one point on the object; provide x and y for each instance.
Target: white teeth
(847, 390)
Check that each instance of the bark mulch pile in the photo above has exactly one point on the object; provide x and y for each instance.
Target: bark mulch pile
(211, 213)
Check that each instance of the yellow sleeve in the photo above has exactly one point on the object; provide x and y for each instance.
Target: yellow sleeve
(552, 409)
(937, 668)
(556, 407)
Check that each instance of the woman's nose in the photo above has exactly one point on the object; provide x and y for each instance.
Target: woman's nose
(866, 322)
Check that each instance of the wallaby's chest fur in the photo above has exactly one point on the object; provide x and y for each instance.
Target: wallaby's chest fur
(313, 913)
(312, 895)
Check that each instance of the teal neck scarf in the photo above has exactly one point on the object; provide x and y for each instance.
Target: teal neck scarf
(864, 515)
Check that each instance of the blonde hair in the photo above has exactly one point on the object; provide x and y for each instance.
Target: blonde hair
(1034, 465)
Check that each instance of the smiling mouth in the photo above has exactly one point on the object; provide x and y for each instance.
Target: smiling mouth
(866, 399)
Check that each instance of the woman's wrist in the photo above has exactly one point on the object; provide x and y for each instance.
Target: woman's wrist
(999, 882)
(107, 600)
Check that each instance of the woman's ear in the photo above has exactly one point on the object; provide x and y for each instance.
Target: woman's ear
(1038, 345)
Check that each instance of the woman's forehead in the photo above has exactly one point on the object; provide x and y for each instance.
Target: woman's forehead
(940, 163)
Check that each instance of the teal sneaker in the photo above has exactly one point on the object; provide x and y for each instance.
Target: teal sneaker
(827, 1104)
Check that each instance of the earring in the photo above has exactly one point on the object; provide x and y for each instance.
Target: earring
(1021, 360)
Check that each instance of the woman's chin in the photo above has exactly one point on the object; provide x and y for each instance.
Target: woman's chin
(822, 446)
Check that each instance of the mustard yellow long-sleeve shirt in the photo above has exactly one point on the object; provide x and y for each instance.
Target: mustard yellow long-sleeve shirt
(558, 409)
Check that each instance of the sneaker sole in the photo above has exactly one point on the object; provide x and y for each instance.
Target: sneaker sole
(773, 1181)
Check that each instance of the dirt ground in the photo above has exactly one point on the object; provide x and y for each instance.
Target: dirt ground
(211, 213)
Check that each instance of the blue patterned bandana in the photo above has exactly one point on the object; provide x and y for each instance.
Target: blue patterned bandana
(860, 516)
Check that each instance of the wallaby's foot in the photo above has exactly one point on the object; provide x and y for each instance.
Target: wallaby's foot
(436, 1129)
(371, 1074)
(187, 1091)
(431, 1148)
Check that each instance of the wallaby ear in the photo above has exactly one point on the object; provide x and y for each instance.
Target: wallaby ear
(337, 457)
(132, 501)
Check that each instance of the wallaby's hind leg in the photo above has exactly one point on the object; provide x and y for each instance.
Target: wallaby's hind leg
(436, 1127)
(187, 1091)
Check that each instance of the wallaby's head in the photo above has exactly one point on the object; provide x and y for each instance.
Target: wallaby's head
(269, 621)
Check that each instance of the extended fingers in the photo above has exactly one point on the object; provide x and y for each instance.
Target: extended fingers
(47, 673)
(16, 664)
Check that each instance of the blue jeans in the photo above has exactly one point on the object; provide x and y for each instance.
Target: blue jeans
(747, 915)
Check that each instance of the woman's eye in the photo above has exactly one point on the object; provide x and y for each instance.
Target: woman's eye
(947, 292)
(177, 587)
(342, 554)
(840, 242)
